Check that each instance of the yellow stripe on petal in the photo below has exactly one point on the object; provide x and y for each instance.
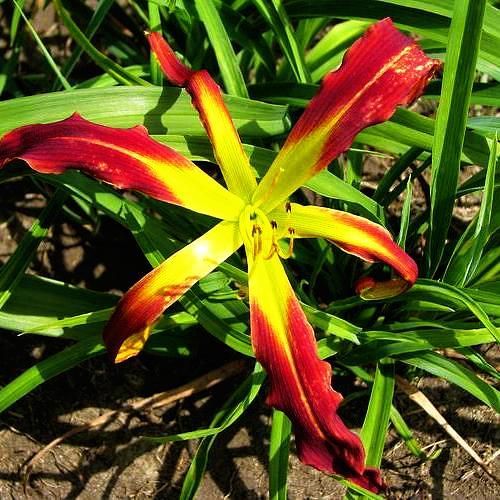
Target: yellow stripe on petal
(225, 140)
(207, 99)
(138, 310)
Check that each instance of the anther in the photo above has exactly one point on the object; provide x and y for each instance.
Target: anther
(274, 224)
(288, 207)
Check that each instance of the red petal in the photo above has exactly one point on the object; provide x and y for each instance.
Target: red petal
(300, 383)
(126, 158)
(382, 70)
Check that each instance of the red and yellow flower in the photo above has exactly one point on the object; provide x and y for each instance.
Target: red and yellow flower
(382, 70)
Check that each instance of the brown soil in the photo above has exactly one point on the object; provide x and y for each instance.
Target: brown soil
(117, 463)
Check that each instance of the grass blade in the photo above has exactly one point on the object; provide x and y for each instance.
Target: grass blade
(120, 74)
(276, 17)
(405, 433)
(279, 450)
(49, 368)
(375, 426)
(160, 110)
(405, 215)
(154, 25)
(467, 253)
(226, 58)
(449, 134)
(456, 374)
(240, 399)
(45, 52)
(95, 22)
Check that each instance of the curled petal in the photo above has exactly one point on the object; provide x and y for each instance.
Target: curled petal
(382, 70)
(207, 99)
(300, 385)
(138, 310)
(355, 235)
(126, 158)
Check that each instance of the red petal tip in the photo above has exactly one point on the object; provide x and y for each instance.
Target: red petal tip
(176, 72)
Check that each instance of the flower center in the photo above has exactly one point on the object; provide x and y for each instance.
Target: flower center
(260, 235)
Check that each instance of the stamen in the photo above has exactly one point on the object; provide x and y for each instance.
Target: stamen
(288, 207)
(257, 240)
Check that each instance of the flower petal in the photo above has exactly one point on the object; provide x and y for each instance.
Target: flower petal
(207, 99)
(382, 70)
(138, 310)
(126, 158)
(355, 235)
(284, 344)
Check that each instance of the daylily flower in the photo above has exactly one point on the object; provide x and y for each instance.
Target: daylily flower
(381, 70)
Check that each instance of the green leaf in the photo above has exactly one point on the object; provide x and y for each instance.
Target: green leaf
(241, 31)
(469, 248)
(114, 69)
(226, 58)
(461, 295)
(379, 344)
(487, 94)
(160, 110)
(449, 134)
(405, 433)
(374, 431)
(279, 450)
(276, 17)
(49, 368)
(42, 47)
(14, 23)
(456, 374)
(405, 215)
(327, 54)
(424, 23)
(393, 174)
(230, 412)
(95, 22)
(154, 25)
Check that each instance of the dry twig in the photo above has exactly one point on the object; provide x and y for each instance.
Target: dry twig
(421, 399)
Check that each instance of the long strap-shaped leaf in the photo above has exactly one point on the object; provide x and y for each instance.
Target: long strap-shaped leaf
(449, 134)
(95, 22)
(228, 63)
(279, 450)
(275, 15)
(114, 69)
(375, 426)
(231, 411)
